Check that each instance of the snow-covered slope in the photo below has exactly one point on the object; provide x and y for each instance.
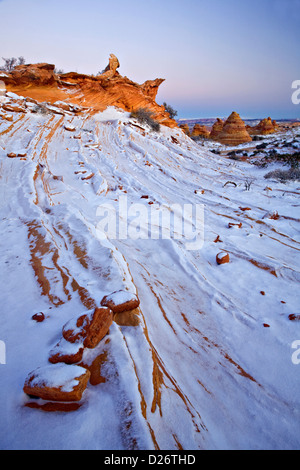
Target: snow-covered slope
(207, 361)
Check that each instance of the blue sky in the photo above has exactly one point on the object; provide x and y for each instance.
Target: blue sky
(216, 55)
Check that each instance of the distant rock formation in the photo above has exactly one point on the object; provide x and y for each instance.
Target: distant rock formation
(40, 82)
(185, 128)
(216, 129)
(200, 131)
(234, 131)
(265, 127)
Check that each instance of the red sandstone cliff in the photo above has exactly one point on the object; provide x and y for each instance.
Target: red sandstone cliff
(39, 81)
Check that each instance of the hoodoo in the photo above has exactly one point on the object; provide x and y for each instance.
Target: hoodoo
(216, 129)
(265, 127)
(234, 131)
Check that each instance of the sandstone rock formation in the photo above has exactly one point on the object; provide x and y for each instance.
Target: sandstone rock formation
(200, 131)
(96, 93)
(41, 74)
(111, 68)
(185, 128)
(265, 127)
(216, 129)
(120, 301)
(58, 382)
(234, 131)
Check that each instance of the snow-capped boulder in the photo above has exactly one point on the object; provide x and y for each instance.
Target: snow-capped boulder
(89, 327)
(120, 301)
(57, 382)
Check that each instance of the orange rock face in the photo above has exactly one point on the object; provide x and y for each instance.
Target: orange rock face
(32, 75)
(216, 129)
(234, 131)
(200, 131)
(39, 82)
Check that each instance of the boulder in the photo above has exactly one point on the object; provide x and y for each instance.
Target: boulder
(69, 128)
(234, 131)
(57, 382)
(120, 301)
(88, 328)
(64, 351)
(222, 258)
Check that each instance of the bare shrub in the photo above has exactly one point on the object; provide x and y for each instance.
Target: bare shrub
(11, 62)
(293, 174)
(144, 116)
(40, 109)
(170, 110)
(248, 183)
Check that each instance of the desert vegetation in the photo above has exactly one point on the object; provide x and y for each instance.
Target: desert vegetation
(169, 109)
(11, 62)
(144, 116)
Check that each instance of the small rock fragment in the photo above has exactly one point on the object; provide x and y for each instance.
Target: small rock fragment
(222, 257)
(38, 317)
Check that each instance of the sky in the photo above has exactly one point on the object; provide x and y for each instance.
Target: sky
(217, 56)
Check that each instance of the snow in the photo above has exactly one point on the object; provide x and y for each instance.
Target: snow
(200, 370)
(111, 114)
(66, 347)
(120, 297)
(14, 96)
